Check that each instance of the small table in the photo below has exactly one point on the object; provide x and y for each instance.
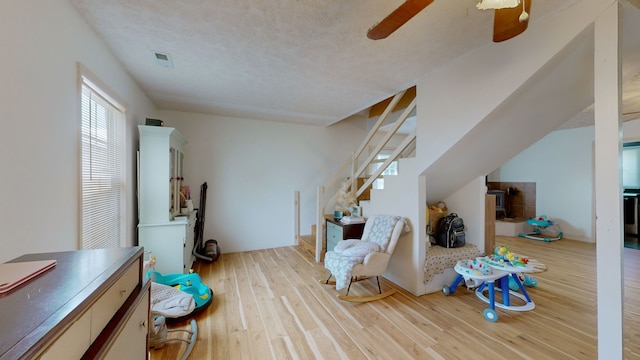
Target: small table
(336, 231)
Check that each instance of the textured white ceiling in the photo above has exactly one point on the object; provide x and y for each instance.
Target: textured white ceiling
(303, 61)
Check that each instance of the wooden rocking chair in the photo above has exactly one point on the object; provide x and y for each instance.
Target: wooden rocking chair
(356, 260)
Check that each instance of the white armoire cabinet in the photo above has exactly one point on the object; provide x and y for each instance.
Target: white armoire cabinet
(163, 231)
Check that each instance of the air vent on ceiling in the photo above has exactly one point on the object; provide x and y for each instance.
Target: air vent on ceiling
(163, 59)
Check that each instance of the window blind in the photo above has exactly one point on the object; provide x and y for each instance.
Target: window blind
(102, 169)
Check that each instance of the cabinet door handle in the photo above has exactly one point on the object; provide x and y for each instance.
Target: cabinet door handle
(143, 324)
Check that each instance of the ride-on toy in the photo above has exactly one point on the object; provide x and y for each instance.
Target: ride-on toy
(188, 283)
(545, 229)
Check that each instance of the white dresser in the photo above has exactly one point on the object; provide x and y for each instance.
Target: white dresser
(162, 229)
(171, 243)
(94, 304)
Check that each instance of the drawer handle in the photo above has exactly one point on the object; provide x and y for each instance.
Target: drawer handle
(123, 292)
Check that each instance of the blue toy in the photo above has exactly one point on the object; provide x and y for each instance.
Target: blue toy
(526, 280)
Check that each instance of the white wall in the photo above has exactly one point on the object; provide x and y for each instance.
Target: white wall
(41, 42)
(252, 169)
(399, 197)
(561, 165)
(549, 65)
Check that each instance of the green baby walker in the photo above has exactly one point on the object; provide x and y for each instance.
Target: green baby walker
(544, 229)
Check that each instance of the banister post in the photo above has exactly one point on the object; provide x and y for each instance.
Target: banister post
(319, 222)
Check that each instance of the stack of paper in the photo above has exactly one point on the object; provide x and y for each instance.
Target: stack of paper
(346, 220)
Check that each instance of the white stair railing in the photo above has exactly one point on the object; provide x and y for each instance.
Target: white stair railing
(383, 142)
(358, 168)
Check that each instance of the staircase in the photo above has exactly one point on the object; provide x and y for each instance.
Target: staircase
(476, 123)
(354, 172)
(308, 242)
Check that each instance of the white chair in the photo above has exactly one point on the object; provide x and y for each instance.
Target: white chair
(369, 256)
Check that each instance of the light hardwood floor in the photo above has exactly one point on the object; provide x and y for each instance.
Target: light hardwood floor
(269, 304)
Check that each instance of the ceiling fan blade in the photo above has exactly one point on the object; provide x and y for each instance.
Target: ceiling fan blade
(397, 18)
(506, 23)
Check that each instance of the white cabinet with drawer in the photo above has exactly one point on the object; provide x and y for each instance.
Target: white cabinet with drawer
(131, 341)
(337, 231)
(107, 305)
(170, 243)
(162, 229)
(334, 234)
(87, 306)
(73, 342)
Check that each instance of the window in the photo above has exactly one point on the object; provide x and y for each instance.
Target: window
(103, 184)
(630, 165)
(392, 169)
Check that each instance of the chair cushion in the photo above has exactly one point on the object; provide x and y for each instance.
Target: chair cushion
(356, 248)
(379, 229)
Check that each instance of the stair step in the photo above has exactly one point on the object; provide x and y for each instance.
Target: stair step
(308, 242)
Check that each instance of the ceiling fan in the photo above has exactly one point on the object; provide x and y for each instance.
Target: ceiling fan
(509, 18)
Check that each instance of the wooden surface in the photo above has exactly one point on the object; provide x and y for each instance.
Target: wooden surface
(366, 194)
(308, 242)
(34, 313)
(489, 223)
(405, 100)
(269, 304)
(397, 18)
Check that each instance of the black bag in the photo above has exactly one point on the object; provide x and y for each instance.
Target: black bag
(450, 231)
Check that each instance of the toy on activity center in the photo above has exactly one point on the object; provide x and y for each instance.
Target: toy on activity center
(503, 255)
(545, 229)
(473, 272)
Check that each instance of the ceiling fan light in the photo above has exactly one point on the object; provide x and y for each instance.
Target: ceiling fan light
(497, 4)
